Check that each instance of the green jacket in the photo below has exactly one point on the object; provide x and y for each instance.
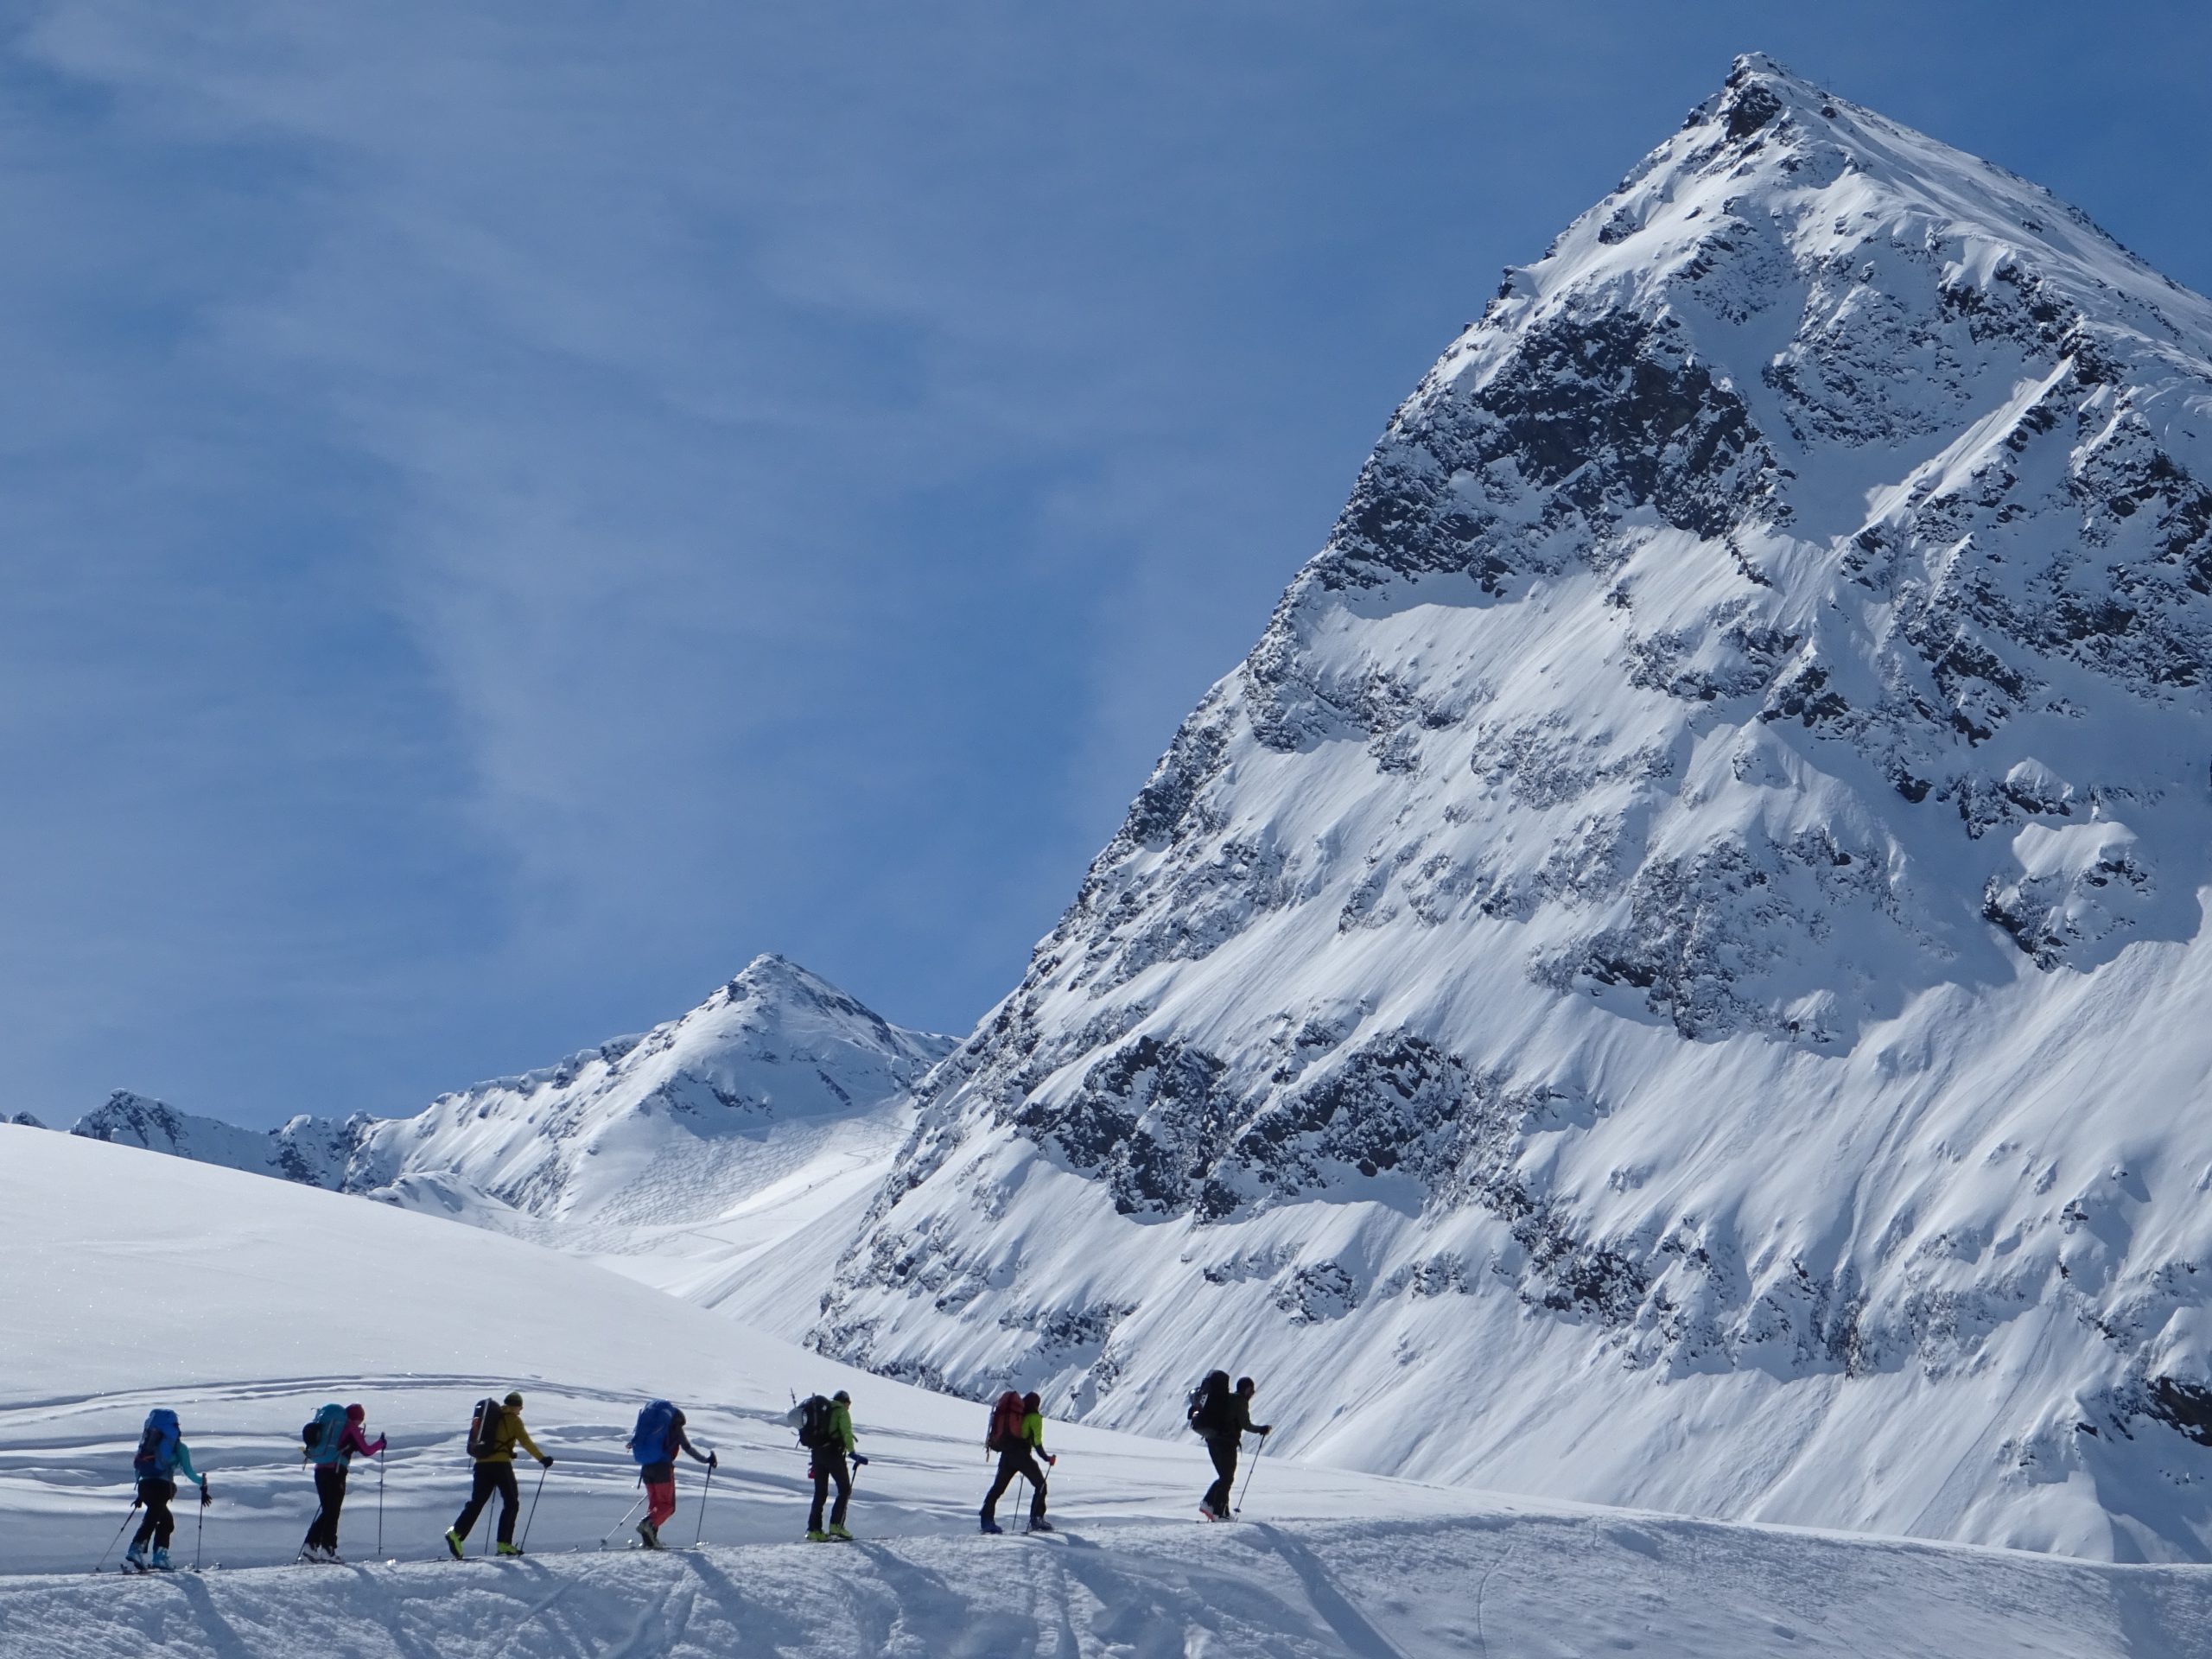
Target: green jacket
(1033, 1430)
(841, 1429)
(503, 1438)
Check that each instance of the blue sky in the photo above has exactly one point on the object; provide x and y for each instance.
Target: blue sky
(509, 509)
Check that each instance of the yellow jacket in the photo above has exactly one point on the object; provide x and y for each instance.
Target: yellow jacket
(504, 1437)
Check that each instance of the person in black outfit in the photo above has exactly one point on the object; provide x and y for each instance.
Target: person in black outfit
(1229, 1422)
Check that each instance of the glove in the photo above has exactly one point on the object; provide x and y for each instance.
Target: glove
(713, 1460)
(858, 1460)
(204, 1498)
(1050, 1459)
(1264, 1430)
(545, 1463)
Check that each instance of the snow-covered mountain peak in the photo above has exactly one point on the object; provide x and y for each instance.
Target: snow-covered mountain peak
(1643, 911)
(1776, 155)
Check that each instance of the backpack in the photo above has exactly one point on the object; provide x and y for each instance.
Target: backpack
(1209, 1404)
(1006, 1423)
(814, 1421)
(157, 1446)
(484, 1427)
(323, 1433)
(653, 1440)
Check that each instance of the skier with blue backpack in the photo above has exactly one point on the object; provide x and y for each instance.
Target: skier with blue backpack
(654, 1443)
(162, 1455)
(329, 1442)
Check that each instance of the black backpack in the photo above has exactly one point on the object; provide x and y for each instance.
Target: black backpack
(1209, 1404)
(814, 1421)
(484, 1427)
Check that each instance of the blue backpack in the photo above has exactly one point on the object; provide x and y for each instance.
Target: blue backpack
(654, 1439)
(323, 1436)
(156, 1456)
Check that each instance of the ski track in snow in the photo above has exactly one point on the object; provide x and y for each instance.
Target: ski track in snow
(1351, 1589)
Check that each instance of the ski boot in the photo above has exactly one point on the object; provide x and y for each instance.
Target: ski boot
(837, 1532)
(509, 1549)
(134, 1559)
(456, 1544)
(815, 1535)
(1039, 1523)
(161, 1560)
(649, 1534)
(992, 1527)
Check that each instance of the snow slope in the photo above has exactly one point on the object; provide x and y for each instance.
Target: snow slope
(754, 1126)
(1673, 972)
(131, 1279)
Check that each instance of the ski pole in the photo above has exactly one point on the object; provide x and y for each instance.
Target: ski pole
(534, 1497)
(627, 1513)
(1238, 1507)
(117, 1539)
(704, 1493)
(379, 1502)
(200, 1529)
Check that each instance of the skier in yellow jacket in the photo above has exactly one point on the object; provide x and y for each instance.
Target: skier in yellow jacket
(495, 1472)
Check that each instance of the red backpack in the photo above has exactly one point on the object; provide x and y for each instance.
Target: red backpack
(1006, 1423)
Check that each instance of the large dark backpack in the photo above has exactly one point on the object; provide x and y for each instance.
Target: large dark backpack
(653, 1440)
(1208, 1413)
(484, 1427)
(157, 1446)
(814, 1414)
(323, 1434)
(1006, 1423)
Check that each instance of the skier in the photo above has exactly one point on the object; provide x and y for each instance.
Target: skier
(494, 1452)
(1018, 1436)
(659, 1437)
(338, 1438)
(830, 1449)
(1224, 1419)
(162, 1455)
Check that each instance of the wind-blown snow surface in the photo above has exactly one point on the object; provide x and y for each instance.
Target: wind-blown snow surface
(128, 1281)
(756, 1126)
(1673, 973)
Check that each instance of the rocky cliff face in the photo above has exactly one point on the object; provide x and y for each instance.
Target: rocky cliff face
(1686, 926)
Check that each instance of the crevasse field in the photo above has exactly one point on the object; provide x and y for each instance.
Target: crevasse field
(134, 1280)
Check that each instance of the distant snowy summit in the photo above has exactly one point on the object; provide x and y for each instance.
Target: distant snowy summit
(1687, 930)
(628, 1119)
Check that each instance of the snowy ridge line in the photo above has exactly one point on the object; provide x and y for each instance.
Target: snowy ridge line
(754, 1125)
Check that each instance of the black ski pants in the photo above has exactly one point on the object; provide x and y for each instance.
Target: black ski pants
(1223, 1452)
(330, 1493)
(492, 1477)
(159, 1524)
(1017, 1459)
(829, 1465)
